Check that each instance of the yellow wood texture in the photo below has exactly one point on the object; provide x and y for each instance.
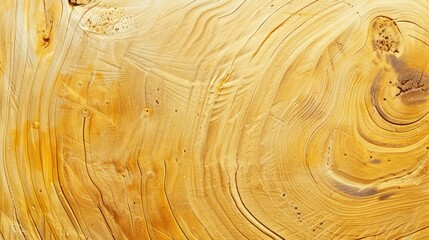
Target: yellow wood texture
(229, 119)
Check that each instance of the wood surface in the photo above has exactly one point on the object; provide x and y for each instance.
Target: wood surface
(229, 119)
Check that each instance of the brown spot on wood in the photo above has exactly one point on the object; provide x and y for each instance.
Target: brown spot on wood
(355, 191)
(385, 196)
(412, 83)
(375, 161)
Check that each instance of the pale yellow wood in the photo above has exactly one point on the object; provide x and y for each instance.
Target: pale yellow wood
(231, 119)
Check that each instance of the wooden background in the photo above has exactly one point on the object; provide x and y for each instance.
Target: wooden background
(230, 119)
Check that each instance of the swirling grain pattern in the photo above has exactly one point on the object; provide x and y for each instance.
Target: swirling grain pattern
(214, 119)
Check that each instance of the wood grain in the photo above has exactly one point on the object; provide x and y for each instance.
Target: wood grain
(214, 119)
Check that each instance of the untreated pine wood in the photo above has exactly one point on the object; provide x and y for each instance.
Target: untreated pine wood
(214, 119)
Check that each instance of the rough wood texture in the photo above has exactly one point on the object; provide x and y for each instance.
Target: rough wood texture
(228, 119)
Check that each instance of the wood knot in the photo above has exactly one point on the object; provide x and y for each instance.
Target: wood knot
(35, 125)
(385, 35)
(85, 113)
(75, 3)
(44, 33)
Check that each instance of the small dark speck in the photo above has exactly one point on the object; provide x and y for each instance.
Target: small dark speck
(314, 230)
(284, 194)
(321, 223)
(184, 150)
(175, 110)
(157, 102)
(40, 190)
(134, 202)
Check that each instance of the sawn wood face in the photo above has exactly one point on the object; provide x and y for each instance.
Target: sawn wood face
(206, 119)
